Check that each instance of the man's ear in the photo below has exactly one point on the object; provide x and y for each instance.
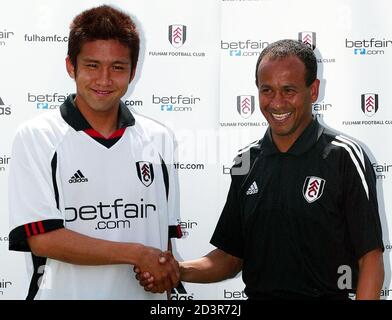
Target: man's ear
(70, 67)
(314, 90)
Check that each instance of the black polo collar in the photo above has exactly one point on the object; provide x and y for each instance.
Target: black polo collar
(75, 119)
(305, 141)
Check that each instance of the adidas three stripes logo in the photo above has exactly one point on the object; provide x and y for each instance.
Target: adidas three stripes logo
(78, 177)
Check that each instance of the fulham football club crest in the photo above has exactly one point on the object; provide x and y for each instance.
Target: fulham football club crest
(308, 38)
(177, 35)
(369, 104)
(145, 172)
(313, 188)
(245, 105)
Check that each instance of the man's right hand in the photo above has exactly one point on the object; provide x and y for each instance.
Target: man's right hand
(157, 271)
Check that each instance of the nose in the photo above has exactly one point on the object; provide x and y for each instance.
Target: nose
(277, 101)
(104, 77)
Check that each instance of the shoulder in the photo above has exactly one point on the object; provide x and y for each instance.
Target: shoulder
(151, 127)
(46, 129)
(342, 144)
(246, 156)
(157, 136)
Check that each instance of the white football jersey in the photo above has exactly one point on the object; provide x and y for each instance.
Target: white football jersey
(64, 174)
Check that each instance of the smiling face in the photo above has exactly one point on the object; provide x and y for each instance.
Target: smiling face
(285, 100)
(102, 76)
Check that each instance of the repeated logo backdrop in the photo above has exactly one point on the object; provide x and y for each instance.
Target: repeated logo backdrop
(196, 75)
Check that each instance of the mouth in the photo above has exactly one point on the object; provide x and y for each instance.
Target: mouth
(102, 93)
(281, 116)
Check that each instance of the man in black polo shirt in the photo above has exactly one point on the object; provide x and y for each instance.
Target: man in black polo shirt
(301, 217)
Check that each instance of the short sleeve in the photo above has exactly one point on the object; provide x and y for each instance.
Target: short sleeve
(31, 189)
(360, 205)
(228, 234)
(174, 195)
(170, 175)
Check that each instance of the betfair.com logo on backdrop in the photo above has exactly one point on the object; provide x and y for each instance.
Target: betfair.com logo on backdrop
(5, 35)
(46, 101)
(308, 38)
(368, 46)
(320, 109)
(245, 105)
(244, 48)
(383, 170)
(176, 103)
(369, 104)
(4, 162)
(177, 35)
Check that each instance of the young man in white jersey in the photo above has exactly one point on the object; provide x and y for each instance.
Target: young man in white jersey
(92, 188)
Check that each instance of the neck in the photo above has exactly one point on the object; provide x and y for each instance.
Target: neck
(104, 122)
(282, 143)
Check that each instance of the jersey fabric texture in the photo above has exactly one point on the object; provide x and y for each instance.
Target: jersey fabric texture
(301, 219)
(64, 174)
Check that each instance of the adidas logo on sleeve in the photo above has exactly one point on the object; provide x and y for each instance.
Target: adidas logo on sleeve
(78, 177)
(253, 189)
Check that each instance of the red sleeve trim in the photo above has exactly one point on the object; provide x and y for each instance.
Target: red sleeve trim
(26, 226)
(18, 236)
(31, 228)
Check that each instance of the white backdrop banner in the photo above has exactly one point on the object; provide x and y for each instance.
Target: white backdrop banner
(196, 75)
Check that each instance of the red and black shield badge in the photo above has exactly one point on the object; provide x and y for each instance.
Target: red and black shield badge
(145, 172)
(313, 188)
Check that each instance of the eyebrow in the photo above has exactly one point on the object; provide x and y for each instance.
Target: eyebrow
(284, 86)
(289, 86)
(97, 61)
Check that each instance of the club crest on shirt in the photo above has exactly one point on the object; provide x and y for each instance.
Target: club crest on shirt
(145, 172)
(313, 188)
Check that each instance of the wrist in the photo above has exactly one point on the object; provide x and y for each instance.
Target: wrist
(134, 253)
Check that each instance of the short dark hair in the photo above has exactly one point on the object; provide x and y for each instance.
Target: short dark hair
(288, 47)
(103, 23)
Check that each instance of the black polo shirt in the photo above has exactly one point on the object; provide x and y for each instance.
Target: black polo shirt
(299, 219)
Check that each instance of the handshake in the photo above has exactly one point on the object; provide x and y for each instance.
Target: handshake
(158, 271)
